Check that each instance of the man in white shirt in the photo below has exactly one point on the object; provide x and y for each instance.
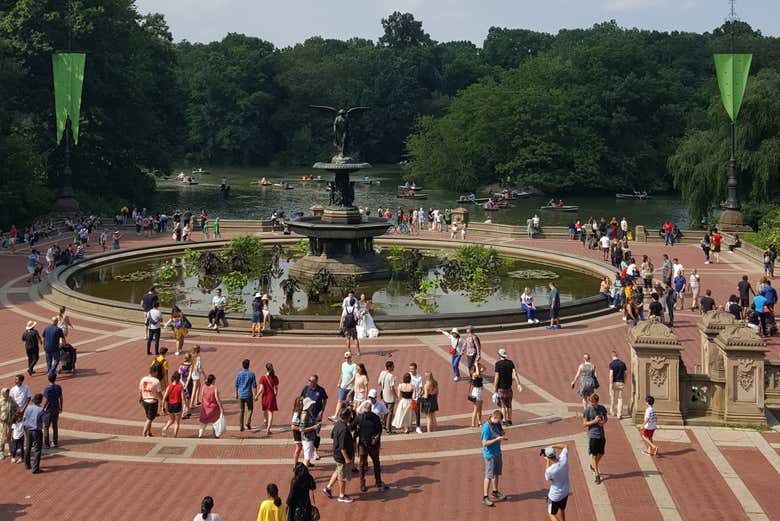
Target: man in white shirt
(604, 245)
(20, 393)
(347, 301)
(623, 227)
(557, 472)
(417, 385)
(694, 284)
(377, 407)
(217, 312)
(154, 326)
(677, 267)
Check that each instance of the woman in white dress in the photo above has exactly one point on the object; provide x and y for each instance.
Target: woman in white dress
(403, 409)
(63, 321)
(366, 327)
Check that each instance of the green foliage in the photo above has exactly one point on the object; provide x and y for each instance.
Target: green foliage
(475, 257)
(235, 281)
(425, 296)
(474, 269)
(248, 255)
(299, 249)
(768, 229)
(700, 164)
(402, 31)
(167, 273)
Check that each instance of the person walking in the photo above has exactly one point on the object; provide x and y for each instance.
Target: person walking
(52, 338)
(269, 389)
(160, 366)
(32, 340)
(52, 407)
(492, 436)
(196, 375)
(309, 427)
(147, 303)
(317, 394)
(528, 306)
(472, 347)
(153, 328)
(272, 508)
(299, 507)
(349, 321)
(63, 320)
(206, 514)
(211, 408)
(475, 396)
(402, 418)
(389, 395)
(360, 391)
(455, 350)
(505, 375)
(343, 454)
(246, 394)
(556, 471)
(554, 300)
(368, 430)
(594, 418)
(346, 382)
(181, 327)
(185, 373)
(648, 428)
(430, 401)
(149, 396)
(172, 400)
(694, 283)
(33, 432)
(586, 374)
(617, 383)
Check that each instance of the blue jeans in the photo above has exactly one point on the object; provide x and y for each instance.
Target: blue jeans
(531, 312)
(456, 365)
(470, 361)
(52, 361)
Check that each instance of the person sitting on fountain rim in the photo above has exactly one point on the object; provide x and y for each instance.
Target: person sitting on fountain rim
(217, 312)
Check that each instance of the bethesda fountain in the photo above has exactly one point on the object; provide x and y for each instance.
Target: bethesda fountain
(341, 239)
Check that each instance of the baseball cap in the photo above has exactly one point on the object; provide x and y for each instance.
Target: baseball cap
(549, 452)
(502, 352)
(307, 402)
(372, 393)
(347, 354)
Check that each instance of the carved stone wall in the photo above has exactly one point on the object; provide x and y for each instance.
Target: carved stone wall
(772, 385)
(744, 369)
(655, 364)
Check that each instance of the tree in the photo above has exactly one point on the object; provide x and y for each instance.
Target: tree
(402, 31)
(508, 48)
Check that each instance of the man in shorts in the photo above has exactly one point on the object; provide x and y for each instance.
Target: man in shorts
(492, 435)
(557, 473)
(505, 374)
(346, 382)
(343, 454)
(149, 396)
(594, 418)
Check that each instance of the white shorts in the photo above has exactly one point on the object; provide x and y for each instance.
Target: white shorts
(308, 450)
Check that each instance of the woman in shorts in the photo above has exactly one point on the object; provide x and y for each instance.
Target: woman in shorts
(295, 427)
(172, 403)
(475, 396)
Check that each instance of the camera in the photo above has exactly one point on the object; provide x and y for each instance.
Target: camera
(541, 452)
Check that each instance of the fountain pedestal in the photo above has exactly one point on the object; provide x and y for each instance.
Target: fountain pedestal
(341, 239)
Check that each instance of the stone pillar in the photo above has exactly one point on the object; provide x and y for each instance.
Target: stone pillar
(713, 359)
(640, 234)
(655, 370)
(316, 210)
(460, 215)
(744, 397)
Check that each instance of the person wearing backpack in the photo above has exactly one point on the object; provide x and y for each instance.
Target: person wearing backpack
(349, 321)
(159, 367)
(153, 327)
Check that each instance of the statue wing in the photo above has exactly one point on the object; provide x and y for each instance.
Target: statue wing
(357, 109)
(324, 107)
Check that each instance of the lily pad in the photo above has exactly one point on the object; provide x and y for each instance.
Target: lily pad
(533, 275)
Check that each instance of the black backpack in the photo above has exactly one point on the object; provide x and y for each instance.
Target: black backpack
(349, 319)
(157, 369)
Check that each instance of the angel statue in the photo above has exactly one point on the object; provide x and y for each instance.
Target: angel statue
(340, 127)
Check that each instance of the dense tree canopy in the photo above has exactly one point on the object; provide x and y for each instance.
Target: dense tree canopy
(593, 109)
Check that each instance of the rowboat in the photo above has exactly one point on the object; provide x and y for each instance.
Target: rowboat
(563, 208)
(476, 200)
(200, 171)
(402, 187)
(412, 196)
(635, 195)
(286, 186)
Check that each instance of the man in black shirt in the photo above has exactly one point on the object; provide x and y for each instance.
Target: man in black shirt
(368, 429)
(656, 308)
(32, 340)
(343, 453)
(617, 379)
(707, 302)
(502, 382)
(745, 289)
(147, 303)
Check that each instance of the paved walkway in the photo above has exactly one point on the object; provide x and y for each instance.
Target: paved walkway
(104, 469)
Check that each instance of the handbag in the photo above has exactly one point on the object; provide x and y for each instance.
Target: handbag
(315, 512)
(219, 425)
(453, 351)
(471, 398)
(595, 382)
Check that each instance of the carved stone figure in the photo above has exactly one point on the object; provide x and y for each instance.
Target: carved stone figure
(341, 130)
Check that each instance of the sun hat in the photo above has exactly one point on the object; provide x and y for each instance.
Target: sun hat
(307, 402)
(502, 352)
(31, 324)
(455, 331)
(347, 354)
(372, 393)
(257, 295)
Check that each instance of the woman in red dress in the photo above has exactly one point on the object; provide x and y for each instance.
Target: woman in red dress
(269, 386)
(211, 406)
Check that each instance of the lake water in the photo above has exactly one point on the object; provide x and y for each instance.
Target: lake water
(249, 200)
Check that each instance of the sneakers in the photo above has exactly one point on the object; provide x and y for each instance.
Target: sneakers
(536, 321)
(327, 492)
(498, 496)
(598, 479)
(418, 430)
(316, 455)
(332, 418)
(455, 378)
(487, 502)
(345, 499)
(530, 321)
(647, 452)
(382, 487)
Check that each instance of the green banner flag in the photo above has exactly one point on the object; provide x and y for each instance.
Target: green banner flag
(732, 71)
(68, 78)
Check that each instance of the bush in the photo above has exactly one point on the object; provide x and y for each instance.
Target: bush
(768, 228)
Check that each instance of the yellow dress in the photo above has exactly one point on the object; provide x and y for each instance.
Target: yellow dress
(270, 512)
